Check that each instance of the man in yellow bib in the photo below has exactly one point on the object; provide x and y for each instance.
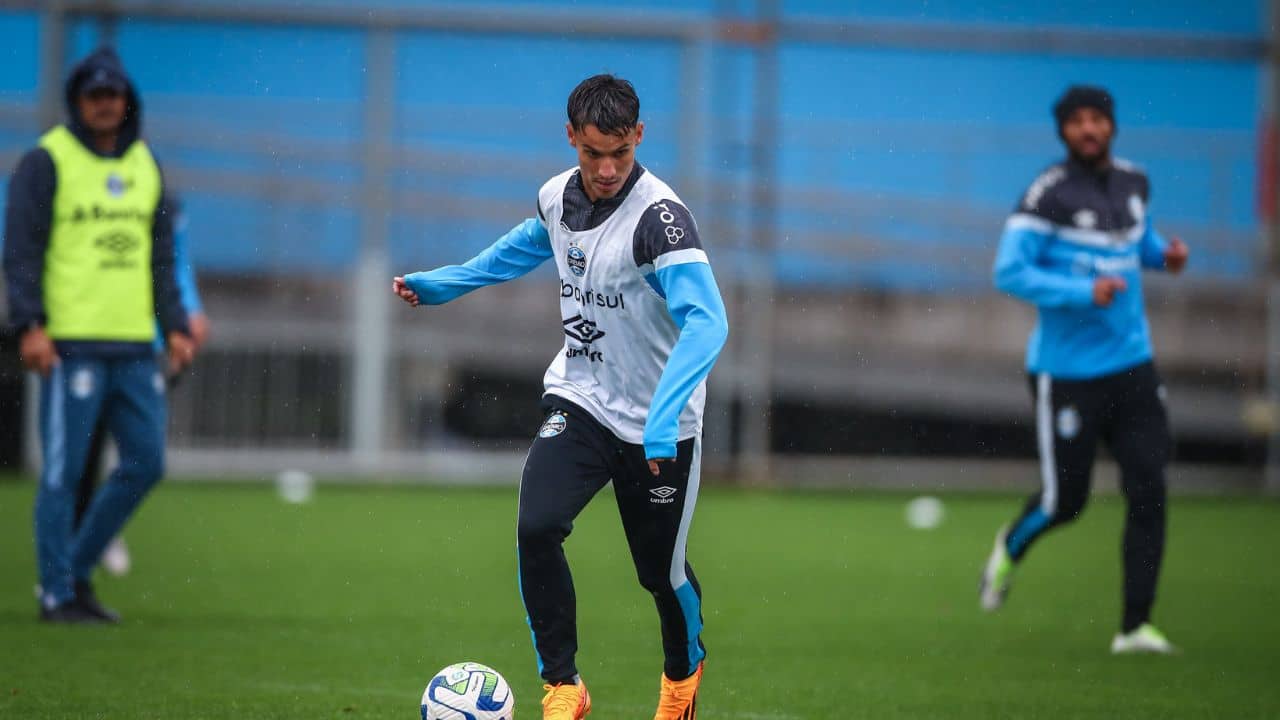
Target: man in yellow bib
(89, 263)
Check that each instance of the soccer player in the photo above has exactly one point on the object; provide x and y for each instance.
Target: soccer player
(1075, 247)
(643, 324)
(89, 263)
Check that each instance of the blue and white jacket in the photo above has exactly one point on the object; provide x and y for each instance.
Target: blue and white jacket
(1073, 225)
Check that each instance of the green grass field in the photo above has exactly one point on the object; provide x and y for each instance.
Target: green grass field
(817, 606)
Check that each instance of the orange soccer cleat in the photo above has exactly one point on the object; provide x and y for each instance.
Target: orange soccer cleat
(566, 702)
(679, 699)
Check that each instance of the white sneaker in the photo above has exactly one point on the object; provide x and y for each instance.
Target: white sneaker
(997, 576)
(115, 559)
(1144, 639)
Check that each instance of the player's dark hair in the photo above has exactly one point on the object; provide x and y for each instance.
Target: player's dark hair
(606, 101)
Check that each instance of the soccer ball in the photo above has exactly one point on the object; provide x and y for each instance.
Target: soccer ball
(468, 691)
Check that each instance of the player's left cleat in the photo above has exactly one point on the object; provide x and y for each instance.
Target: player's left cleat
(1145, 638)
(678, 699)
(115, 559)
(997, 576)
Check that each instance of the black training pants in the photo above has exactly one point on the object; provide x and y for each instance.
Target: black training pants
(1126, 411)
(572, 458)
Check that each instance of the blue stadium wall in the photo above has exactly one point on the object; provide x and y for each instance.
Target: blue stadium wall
(911, 156)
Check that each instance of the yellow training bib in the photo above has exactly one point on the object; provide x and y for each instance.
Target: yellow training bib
(97, 272)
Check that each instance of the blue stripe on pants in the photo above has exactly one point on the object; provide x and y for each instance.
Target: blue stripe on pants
(527, 620)
(691, 604)
(1031, 525)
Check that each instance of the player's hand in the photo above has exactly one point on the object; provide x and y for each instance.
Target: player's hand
(1175, 256)
(653, 465)
(37, 351)
(199, 326)
(399, 287)
(1105, 289)
(182, 350)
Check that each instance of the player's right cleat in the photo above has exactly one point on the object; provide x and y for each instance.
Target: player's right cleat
(679, 698)
(997, 575)
(566, 701)
(1143, 639)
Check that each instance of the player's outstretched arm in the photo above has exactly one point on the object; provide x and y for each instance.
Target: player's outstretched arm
(1017, 273)
(694, 301)
(523, 248)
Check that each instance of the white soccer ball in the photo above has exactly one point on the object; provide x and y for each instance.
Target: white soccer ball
(468, 691)
(295, 486)
(925, 513)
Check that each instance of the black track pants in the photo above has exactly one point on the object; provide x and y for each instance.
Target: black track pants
(572, 458)
(1126, 411)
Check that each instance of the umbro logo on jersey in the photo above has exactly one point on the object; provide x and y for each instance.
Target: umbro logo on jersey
(582, 330)
(584, 352)
(662, 495)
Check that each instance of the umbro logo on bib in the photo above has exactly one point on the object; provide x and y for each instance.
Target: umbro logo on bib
(582, 330)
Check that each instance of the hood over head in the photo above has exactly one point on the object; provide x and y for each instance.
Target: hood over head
(102, 68)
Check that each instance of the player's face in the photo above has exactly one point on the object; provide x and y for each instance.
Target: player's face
(1087, 133)
(604, 160)
(102, 111)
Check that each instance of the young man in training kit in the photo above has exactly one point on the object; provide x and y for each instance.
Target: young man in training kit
(643, 324)
(1075, 247)
(88, 258)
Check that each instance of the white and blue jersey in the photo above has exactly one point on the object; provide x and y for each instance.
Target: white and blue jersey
(1073, 225)
(642, 316)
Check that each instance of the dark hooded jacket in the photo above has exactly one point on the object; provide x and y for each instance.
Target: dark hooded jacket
(29, 215)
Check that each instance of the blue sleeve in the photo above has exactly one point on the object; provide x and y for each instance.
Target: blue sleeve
(522, 249)
(693, 299)
(185, 270)
(1018, 273)
(1153, 247)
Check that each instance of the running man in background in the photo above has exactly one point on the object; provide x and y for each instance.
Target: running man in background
(1076, 247)
(643, 324)
(88, 258)
(116, 559)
